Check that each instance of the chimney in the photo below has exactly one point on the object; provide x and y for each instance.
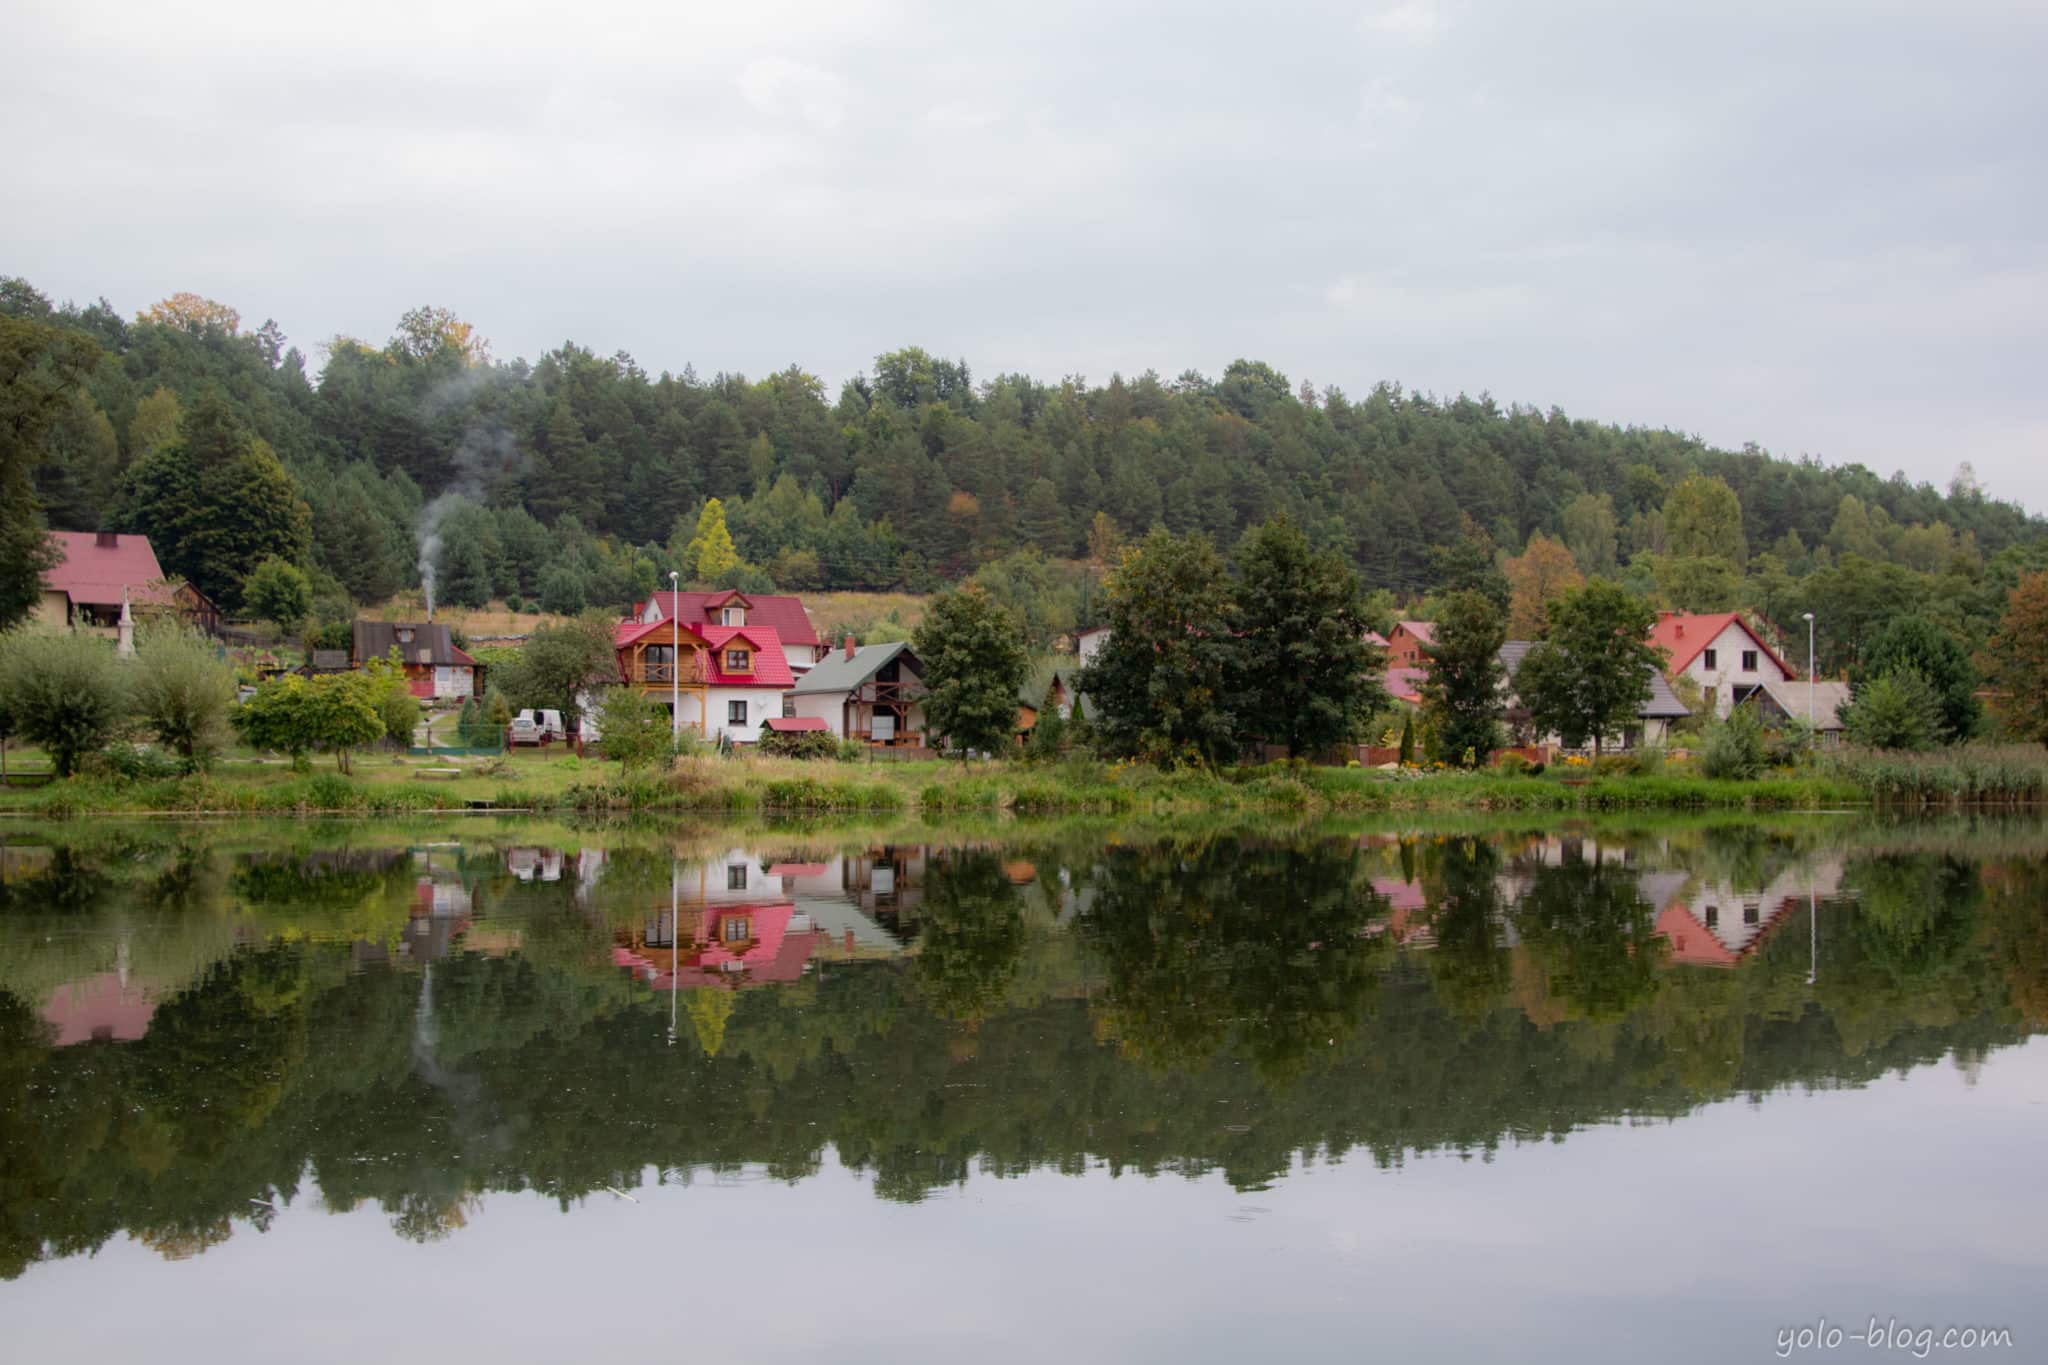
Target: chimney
(107, 540)
(849, 648)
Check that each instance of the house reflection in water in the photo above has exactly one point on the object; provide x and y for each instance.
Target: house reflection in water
(721, 945)
(104, 1008)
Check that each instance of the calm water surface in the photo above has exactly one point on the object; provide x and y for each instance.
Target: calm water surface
(533, 1093)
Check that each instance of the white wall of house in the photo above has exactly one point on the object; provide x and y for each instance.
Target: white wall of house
(760, 704)
(829, 707)
(1739, 663)
(1089, 644)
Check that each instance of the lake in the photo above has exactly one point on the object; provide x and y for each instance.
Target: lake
(1655, 1089)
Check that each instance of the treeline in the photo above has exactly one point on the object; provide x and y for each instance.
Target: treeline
(584, 469)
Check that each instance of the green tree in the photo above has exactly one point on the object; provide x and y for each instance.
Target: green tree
(709, 554)
(1590, 673)
(1590, 533)
(39, 367)
(217, 503)
(1734, 747)
(1703, 519)
(1165, 682)
(1462, 696)
(635, 731)
(562, 590)
(183, 693)
(390, 693)
(65, 692)
(278, 591)
(1302, 639)
(974, 662)
(1916, 644)
(559, 661)
(293, 715)
(1897, 709)
(2018, 656)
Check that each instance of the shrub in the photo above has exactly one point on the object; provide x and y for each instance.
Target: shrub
(635, 730)
(1897, 710)
(132, 762)
(1511, 765)
(515, 603)
(806, 744)
(1734, 748)
(852, 751)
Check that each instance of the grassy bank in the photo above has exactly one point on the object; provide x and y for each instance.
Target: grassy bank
(758, 784)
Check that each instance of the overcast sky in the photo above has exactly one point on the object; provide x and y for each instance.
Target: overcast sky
(1812, 224)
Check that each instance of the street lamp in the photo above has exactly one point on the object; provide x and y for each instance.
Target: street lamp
(1812, 720)
(675, 684)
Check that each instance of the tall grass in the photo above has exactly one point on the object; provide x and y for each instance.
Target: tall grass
(1967, 773)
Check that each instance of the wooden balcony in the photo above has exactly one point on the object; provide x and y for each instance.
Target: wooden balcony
(687, 673)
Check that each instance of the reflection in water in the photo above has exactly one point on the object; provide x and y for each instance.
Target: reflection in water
(194, 1030)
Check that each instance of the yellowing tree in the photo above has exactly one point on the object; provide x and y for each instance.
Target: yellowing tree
(155, 424)
(192, 313)
(710, 554)
(1538, 576)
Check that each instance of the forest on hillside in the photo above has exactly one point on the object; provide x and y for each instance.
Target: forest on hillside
(580, 478)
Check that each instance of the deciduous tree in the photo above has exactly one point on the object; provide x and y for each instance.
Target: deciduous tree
(1537, 577)
(184, 691)
(2018, 656)
(974, 661)
(277, 590)
(1912, 643)
(66, 692)
(1590, 673)
(1462, 694)
(1165, 682)
(1309, 672)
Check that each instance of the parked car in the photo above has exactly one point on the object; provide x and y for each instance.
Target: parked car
(538, 727)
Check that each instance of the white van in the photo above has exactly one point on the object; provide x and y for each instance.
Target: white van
(538, 727)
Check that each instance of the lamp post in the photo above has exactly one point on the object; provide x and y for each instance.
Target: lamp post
(1812, 720)
(675, 685)
(674, 912)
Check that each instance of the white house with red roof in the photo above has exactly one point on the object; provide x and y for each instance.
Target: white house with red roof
(1722, 653)
(785, 616)
(722, 679)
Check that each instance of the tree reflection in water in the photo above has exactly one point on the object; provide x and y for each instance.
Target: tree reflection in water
(1161, 1003)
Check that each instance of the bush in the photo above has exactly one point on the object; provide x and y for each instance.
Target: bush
(1734, 748)
(635, 730)
(853, 751)
(1511, 765)
(515, 603)
(1896, 710)
(132, 762)
(806, 744)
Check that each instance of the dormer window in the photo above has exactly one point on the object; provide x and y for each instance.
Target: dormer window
(732, 616)
(404, 636)
(739, 661)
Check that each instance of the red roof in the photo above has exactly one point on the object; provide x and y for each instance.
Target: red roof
(793, 724)
(771, 668)
(1691, 941)
(94, 574)
(1682, 637)
(783, 615)
(772, 952)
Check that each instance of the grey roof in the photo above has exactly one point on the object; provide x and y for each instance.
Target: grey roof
(1662, 705)
(837, 673)
(376, 639)
(1828, 700)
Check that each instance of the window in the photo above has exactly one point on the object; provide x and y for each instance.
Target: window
(1711, 658)
(1713, 915)
(1749, 913)
(735, 713)
(1749, 661)
(732, 616)
(788, 705)
(738, 930)
(736, 877)
(739, 660)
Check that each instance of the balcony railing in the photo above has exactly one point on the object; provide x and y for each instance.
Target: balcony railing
(665, 674)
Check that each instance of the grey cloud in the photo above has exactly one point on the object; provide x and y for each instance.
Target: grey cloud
(1813, 226)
